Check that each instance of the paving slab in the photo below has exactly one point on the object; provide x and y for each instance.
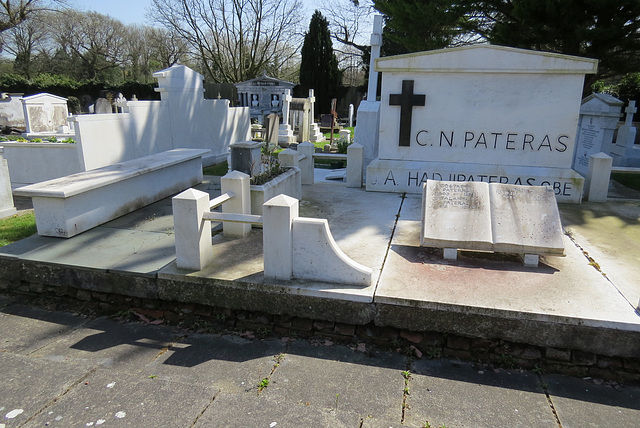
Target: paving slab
(229, 363)
(24, 329)
(116, 249)
(457, 394)
(126, 399)
(318, 385)
(563, 289)
(30, 385)
(610, 233)
(582, 403)
(103, 342)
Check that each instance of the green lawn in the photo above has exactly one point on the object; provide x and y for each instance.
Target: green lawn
(17, 227)
(631, 181)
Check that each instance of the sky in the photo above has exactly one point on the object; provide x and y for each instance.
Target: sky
(133, 11)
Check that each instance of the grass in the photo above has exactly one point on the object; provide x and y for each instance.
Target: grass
(631, 181)
(17, 227)
(217, 169)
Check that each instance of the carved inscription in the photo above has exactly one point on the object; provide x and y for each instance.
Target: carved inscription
(456, 195)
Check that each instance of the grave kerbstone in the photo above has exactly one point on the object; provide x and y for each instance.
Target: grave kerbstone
(491, 217)
(7, 207)
(599, 115)
(479, 113)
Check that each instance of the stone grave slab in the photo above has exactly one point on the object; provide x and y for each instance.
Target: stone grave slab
(491, 217)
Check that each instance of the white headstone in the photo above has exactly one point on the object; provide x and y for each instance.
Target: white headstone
(599, 115)
(285, 135)
(479, 113)
(102, 106)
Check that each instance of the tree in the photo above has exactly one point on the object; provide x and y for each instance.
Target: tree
(13, 13)
(349, 24)
(95, 40)
(234, 40)
(319, 65)
(608, 30)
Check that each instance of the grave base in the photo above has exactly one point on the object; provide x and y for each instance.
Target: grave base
(385, 175)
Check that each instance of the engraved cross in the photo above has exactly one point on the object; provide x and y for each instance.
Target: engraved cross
(406, 100)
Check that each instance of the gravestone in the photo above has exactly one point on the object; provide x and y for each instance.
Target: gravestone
(285, 134)
(625, 152)
(7, 207)
(300, 109)
(11, 110)
(102, 106)
(599, 115)
(315, 134)
(44, 113)
(491, 217)
(272, 126)
(479, 113)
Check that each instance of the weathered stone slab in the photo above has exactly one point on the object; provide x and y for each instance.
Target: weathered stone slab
(491, 217)
(525, 219)
(456, 213)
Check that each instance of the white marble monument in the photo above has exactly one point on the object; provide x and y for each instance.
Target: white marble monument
(625, 152)
(599, 115)
(479, 113)
(44, 113)
(491, 217)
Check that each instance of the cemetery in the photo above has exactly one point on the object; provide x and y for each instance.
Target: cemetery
(459, 226)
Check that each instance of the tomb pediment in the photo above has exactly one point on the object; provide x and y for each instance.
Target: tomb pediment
(486, 59)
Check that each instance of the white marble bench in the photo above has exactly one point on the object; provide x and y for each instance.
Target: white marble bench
(70, 205)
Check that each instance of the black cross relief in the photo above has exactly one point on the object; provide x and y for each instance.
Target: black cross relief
(406, 100)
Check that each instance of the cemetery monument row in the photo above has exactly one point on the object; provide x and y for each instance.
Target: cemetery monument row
(479, 113)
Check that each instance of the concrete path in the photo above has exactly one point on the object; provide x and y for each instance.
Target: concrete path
(65, 370)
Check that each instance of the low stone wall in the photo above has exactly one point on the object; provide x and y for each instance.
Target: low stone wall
(136, 298)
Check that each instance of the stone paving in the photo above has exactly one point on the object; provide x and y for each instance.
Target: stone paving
(68, 370)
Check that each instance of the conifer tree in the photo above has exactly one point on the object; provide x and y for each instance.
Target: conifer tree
(319, 66)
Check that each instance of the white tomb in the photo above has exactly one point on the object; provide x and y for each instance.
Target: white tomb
(479, 113)
(44, 114)
(599, 115)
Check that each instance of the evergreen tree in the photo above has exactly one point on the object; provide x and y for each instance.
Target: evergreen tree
(608, 30)
(319, 66)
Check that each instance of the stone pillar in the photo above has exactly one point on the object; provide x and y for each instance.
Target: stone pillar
(306, 165)
(376, 42)
(355, 158)
(350, 115)
(7, 207)
(194, 250)
(238, 183)
(245, 156)
(278, 215)
(288, 158)
(597, 182)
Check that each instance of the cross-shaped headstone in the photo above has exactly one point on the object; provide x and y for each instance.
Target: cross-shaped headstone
(630, 110)
(406, 100)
